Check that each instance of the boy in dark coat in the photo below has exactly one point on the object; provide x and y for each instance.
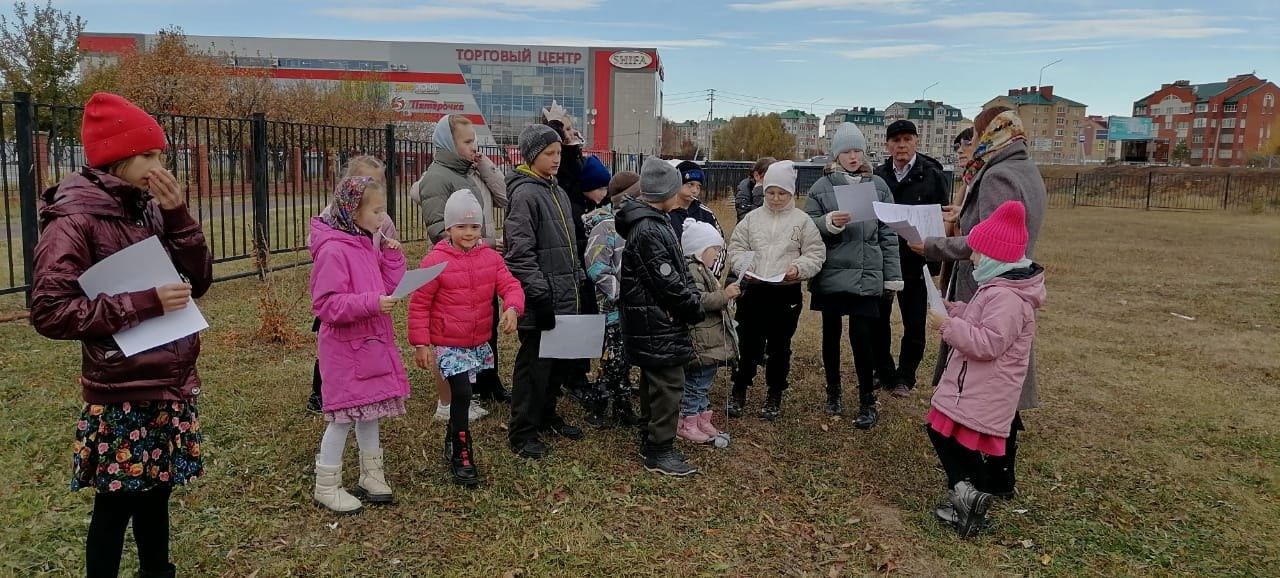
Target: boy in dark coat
(658, 305)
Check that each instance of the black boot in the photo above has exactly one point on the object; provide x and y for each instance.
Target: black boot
(168, 571)
(462, 465)
(998, 477)
(737, 403)
(623, 414)
(834, 406)
(867, 416)
(772, 409)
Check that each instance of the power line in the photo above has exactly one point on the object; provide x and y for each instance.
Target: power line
(770, 100)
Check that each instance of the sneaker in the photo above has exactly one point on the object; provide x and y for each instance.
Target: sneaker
(476, 412)
(867, 417)
(560, 428)
(442, 412)
(315, 404)
(902, 390)
(533, 449)
(834, 406)
(772, 409)
(971, 508)
(668, 463)
(945, 512)
(737, 404)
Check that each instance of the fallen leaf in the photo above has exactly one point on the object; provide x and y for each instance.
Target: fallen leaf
(1020, 511)
(1027, 544)
(1046, 559)
(333, 526)
(826, 427)
(867, 548)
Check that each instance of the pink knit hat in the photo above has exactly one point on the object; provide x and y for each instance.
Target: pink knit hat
(1003, 236)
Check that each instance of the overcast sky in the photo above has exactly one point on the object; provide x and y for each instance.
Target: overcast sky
(821, 54)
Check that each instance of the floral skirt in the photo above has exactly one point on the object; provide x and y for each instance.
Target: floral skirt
(468, 360)
(136, 446)
(393, 407)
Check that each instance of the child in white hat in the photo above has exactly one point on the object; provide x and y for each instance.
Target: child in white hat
(715, 341)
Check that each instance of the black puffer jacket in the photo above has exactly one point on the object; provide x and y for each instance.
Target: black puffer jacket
(750, 196)
(926, 184)
(542, 248)
(698, 212)
(658, 301)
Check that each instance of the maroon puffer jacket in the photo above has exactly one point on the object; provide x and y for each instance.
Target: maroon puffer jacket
(84, 219)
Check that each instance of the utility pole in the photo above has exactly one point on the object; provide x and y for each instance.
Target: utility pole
(711, 95)
(711, 116)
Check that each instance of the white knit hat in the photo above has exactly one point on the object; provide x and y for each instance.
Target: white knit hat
(462, 208)
(697, 236)
(781, 174)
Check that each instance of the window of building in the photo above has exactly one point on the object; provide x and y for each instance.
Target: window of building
(1200, 123)
(1168, 123)
(1224, 153)
(1062, 110)
(1139, 110)
(1242, 122)
(1215, 108)
(1058, 133)
(1228, 123)
(1213, 123)
(1198, 139)
(1228, 108)
(1268, 101)
(1197, 153)
(1183, 126)
(1227, 137)
(1202, 107)
(1062, 121)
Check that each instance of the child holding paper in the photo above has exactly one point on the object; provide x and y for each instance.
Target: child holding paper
(990, 337)
(139, 432)
(862, 264)
(543, 253)
(715, 341)
(364, 379)
(786, 245)
(449, 319)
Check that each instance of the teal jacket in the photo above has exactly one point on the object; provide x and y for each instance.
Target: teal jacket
(861, 257)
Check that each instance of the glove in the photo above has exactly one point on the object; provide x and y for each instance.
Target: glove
(894, 286)
(544, 315)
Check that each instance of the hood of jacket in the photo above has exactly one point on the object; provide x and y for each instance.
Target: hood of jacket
(93, 192)
(1027, 283)
(634, 211)
(599, 215)
(523, 175)
(322, 234)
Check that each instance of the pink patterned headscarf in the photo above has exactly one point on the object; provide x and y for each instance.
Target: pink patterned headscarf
(346, 199)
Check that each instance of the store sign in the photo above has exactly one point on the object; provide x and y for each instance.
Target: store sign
(525, 56)
(631, 60)
(410, 106)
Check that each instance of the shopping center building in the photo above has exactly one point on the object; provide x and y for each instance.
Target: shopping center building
(614, 94)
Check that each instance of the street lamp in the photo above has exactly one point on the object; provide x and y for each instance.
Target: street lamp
(1040, 80)
(926, 89)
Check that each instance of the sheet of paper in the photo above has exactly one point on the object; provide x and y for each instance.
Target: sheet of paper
(858, 200)
(745, 260)
(143, 265)
(575, 337)
(935, 296)
(415, 279)
(925, 219)
(774, 279)
(905, 230)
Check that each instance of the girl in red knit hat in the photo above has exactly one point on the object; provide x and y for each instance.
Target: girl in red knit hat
(139, 433)
(990, 338)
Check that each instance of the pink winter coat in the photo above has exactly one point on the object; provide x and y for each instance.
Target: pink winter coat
(359, 361)
(456, 308)
(990, 341)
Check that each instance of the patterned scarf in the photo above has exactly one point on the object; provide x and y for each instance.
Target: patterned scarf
(1004, 130)
(346, 199)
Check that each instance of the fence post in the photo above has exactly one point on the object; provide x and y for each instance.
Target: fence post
(1226, 192)
(40, 146)
(261, 202)
(390, 166)
(1075, 191)
(1151, 175)
(24, 124)
(204, 177)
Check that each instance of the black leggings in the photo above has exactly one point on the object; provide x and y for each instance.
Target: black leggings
(315, 373)
(862, 341)
(111, 514)
(460, 388)
(959, 462)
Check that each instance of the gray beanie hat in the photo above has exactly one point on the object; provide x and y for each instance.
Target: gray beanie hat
(659, 180)
(463, 208)
(534, 139)
(848, 138)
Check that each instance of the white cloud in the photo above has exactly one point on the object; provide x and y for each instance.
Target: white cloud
(792, 60)
(891, 51)
(534, 5)
(1120, 24)
(418, 14)
(980, 20)
(781, 5)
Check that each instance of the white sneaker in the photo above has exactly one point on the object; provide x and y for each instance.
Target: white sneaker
(442, 412)
(476, 412)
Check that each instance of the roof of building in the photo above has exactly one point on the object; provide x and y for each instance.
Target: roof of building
(1203, 92)
(925, 105)
(793, 113)
(1236, 97)
(1037, 99)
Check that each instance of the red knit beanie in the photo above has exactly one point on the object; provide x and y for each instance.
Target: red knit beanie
(115, 129)
(1003, 236)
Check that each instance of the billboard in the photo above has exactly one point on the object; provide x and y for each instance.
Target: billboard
(1130, 128)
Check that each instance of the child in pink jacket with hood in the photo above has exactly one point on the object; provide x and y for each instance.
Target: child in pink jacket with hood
(990, 339)
(451, 319)
(364, 378)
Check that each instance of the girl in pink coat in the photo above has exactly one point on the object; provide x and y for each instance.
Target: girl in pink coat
(451, 319)
(990, 339)
(364, 378)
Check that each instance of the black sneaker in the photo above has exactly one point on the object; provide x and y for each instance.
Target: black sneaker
(668, 463)
(737, 404)
(533, 449)
(867, 417)
(315, 404)
(834, 406)
(970, 505)
(772, 409)
(564, 430)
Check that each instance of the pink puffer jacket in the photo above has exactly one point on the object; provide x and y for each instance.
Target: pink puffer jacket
(356, 345)
(990, 340)
(456, 308)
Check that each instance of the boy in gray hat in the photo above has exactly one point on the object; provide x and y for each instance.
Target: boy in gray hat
(658, 305)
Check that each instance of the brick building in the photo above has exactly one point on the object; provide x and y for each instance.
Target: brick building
(1054, 124)
(804, 127)
(1221, 123)
(869, 120)
(937, 123)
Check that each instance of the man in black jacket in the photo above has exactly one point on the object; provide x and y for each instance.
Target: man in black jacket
(915, 179)
(658, 305)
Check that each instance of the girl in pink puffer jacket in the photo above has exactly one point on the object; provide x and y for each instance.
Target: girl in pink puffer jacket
(450, 318)
(990, 338)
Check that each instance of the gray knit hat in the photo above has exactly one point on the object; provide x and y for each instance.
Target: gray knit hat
(659, 180)
(462, 208)
(534, 139)
(848, 138)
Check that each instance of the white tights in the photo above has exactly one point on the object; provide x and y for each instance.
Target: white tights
(334, 440)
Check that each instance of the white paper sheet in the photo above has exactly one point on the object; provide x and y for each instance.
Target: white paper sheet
(416, 279)
(858, 200)
(925, 219)
(905, 230)
(774, 279)
(935, 296)
(143, 265)
(575, 337)
(745, 260)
